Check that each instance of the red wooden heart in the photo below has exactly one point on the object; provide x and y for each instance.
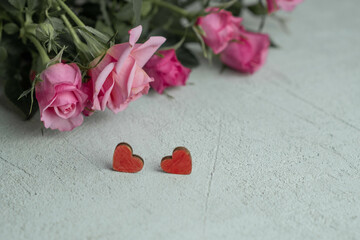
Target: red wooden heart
(178, 163)
(125, 161)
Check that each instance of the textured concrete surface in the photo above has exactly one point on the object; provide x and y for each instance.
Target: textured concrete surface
(276, 155)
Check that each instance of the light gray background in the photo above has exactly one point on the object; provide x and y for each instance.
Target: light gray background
(275, 155)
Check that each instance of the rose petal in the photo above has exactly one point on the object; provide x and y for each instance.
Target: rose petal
(117, 98)
(143, 52)
(60, 74)
(122, 59)
(53, 121)
(135, 35)
(100, 82)
(108, 87)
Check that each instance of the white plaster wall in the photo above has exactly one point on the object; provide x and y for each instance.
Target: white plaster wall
(275, 155)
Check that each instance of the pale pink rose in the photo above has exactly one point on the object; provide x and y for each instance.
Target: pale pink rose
(286, 5)
(166, 70)
(219, 27)
(60, 97)
(119, 78)
(247, 53)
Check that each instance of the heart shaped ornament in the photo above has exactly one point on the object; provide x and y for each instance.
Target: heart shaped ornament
(179, 163)
(125, 161)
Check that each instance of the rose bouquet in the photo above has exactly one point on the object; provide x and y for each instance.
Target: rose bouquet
(70, 59)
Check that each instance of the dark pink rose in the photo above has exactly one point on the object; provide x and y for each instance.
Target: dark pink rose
(166, 70)
(247, 53)
(32, 75)
(60, 97)
(219, 27)
(119, 78)
(286, 5)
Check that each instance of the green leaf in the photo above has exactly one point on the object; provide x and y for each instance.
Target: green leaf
(137, 10)
(257, 9)
(25, 93)
(187, 58)
(18, 4)
(96, 33)
(11, 28)
(94, 46)
(104, 28)
(125, 13)
(45, 32)
(32, 5)
(57, 58)
(146, 8)
(8, 10)
(57, 23)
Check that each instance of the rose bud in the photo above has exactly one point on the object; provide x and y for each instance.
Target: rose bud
(166, 70)
(247, 53)
(219, 27)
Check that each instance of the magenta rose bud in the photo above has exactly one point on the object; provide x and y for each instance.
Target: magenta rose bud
(286, 5)
(60, 97)
(166, 70)
(119, 78)
(247, 53)
(219, 28)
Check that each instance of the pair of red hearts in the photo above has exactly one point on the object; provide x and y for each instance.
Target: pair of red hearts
(125, 161)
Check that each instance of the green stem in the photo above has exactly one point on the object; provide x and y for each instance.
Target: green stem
(71, 29)
(172, 7)
(263, 18)
(67, 22)
(262, 23)
(44, 57)
(241, 9)
(70, 13)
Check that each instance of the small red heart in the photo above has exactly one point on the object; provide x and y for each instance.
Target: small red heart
(125, 161)
(178, 163)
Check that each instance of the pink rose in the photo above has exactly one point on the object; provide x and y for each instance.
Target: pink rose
(247, 53)
(60, 97)
(119, 78)
(166, 70)
(286, 5)
(219, 27)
